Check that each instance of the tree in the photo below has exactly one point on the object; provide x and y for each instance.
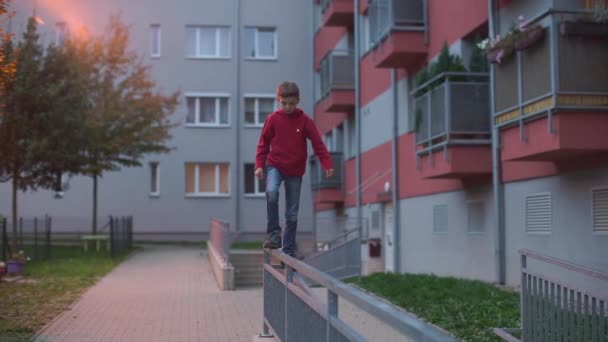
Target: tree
(22, 104)
(128, 118)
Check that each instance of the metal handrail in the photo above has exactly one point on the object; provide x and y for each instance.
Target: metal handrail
(446, 75)
(404, 323)
(565, 264)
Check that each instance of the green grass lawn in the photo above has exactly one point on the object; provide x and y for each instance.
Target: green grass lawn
(467, 309)
(51, 287)
(247, 245)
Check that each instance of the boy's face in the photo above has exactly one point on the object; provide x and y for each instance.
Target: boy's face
(289, 103)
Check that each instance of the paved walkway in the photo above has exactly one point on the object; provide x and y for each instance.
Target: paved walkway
(162, 294)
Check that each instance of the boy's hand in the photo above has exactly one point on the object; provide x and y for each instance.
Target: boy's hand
(329, 173)
(259, 173)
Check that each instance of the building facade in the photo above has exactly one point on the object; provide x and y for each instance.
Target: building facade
(453, 174)
(226, 58)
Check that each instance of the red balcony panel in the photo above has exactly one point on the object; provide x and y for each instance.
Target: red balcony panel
(574, 135)
(339, 13)
(462, 162)
(328, 196)
(326, 40)
(401, 49)
(326, 121)
(338, 101)
(363, 6)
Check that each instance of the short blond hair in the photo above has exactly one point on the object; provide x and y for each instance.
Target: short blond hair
(288, 89)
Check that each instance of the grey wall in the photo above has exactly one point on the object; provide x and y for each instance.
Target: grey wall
(127, 192)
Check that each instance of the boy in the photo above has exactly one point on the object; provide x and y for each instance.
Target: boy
(282, 152)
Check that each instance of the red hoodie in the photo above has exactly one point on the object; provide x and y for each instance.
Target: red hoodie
(283, 143)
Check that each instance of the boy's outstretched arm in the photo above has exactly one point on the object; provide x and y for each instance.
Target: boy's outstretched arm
(319, 147)
(263, 148)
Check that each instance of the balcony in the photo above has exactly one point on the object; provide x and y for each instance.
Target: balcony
(337, 82)
(453, 126)
(338, 12)
(551, 98)
(327, 190)
(399, 32)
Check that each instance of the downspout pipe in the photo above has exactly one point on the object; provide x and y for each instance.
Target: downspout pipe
(314, 114)
(497, 186)
(357, 56)
(237, 106)
(395, 173)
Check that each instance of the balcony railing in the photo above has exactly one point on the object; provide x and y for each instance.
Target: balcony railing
(388, 15)
(562, 71)
(337, 72)
(452, 108)
(319, 181)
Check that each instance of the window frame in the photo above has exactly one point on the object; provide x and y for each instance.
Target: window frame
(197, 193)
(154, 28)
(197, 113)
(197, 42)
(257, 97)
(256, 184)
(257, 57)
(157, 181)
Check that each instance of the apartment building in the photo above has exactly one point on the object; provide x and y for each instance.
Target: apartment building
(455, 175)
(226, 58)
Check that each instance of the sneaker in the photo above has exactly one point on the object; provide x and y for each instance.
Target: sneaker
(273, 240)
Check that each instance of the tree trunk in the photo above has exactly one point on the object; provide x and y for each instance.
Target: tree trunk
(94, 204)
(13, 248)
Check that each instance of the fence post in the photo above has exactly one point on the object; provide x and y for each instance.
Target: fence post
(20, 237)
(48, 237)
(4, 239)
(35, 238)
(112, 242)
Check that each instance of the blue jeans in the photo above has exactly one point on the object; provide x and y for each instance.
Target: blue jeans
(274, 178)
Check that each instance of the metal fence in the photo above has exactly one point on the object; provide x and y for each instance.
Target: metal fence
(219, 237)
(317, 175)
(387, 15)
(337, 71)
(453, 108)
(295, 314)
(572, 309)
(121, 234)
(341, 257)
(33, 238)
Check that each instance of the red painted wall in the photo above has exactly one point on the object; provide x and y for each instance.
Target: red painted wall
(326, 39)
(376, 169)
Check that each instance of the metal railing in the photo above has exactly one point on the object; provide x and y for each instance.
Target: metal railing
(317, 174)
(453, 108)
(121, 234)
(341, 257)
(558, 73)
(393, 15)
(556, 310)
(219, 237)
(337, 72)
(33, 237)
(295, 314)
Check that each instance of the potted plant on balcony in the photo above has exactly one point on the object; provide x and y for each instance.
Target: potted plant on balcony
(528, 34)
(592, 24)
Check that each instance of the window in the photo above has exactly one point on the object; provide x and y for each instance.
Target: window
(253, 186)
(260, 43)
(155, 40)
(61, 33)
(538, 213)
(207, 42)
(440, 218)
(476, 217)
(207, 179)
(600, 210)
(154, 179)
(328, 140)
(258, 108)
(207, 110)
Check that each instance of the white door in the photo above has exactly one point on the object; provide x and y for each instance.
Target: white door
(389, 241)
